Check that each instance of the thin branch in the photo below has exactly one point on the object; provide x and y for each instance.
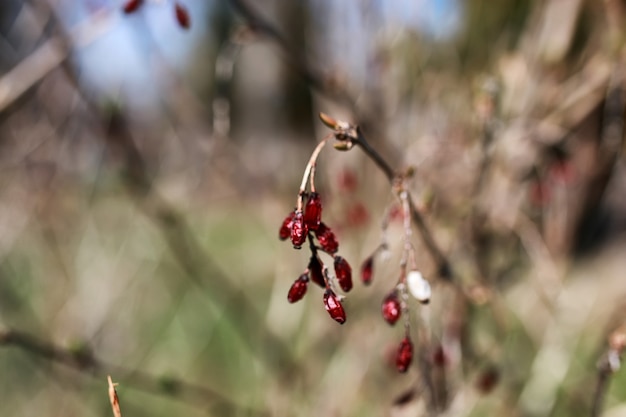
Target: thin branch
(444, 268)
(86, 362)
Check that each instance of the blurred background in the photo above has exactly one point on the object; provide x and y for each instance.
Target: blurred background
(147, 167)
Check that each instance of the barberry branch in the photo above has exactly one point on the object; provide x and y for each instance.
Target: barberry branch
(444, 269)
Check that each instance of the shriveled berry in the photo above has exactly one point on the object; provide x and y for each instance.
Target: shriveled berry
(285, 229)
(327, 238)
(313, 211)
(132, 5)
(343, 272)
(298, 230)
(316, 272)
(391, 308)
(404, 357)
(182, 16)
(298, 288)
(418, 286)
(334, 307)
(366, 270)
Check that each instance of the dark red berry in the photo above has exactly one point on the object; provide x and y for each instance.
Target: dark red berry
(132, 5)
(440, 358)
(343, 272)
(404, 357)
(182, 16)
(298, 230)
(391, 308)
(487, 380)
(315, 270)
(334, 307)
(366, 270)
(347, 180)
(298, 288)
(357, 215)
(327, 238)
(285, 230)
(313, 211)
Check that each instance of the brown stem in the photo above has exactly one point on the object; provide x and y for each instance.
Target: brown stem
(443, 265)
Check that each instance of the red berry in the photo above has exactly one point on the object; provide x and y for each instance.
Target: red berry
(404, 357)
(298, 288)
(285, 229)
(298, 230)
(391, 308)
(327, 238)
(487, 380)
(440, 358)
(315, 269)
(132, 5)
(357, 215)
(348, 180)
(313, 211)
(366, 270)
(334, 307)
(343, 273)
(182, 16)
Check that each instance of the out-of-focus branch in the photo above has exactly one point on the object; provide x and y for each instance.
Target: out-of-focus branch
(609, 364)
(85, 361)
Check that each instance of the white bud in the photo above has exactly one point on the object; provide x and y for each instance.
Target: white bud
(418, 287)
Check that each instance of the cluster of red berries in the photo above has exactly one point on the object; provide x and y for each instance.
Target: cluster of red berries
(180, 11)
(302, 224)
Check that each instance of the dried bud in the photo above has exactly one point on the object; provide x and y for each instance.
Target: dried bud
(418, 287)
(313, 211)
(334, 307)
(316, 272)
(285, 229)
(343, 145)
(182, 16)
(298, 288)
(298, 230)
(327, 238)
(343, 273)
(366, 270)
(404, 357)
(131, 6)
(391, 308)
(328, 121)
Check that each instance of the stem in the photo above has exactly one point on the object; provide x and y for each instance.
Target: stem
(309, 171)
(443, 264)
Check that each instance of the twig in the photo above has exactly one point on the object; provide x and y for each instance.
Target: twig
(443, 264)
(113, 398)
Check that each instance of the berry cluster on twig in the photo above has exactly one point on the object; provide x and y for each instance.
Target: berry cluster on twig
(305, 222)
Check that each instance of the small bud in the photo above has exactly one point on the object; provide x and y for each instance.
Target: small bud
(313, 211)
(285, 229)
(334, 307)
(316, 272)
(298, 288)
(366, 270)
(182, 16)
(327, 238)
(343, 145)
(298, 230)
(132, 6)
(418, 287)
(404, 357)
(343, 271)
(328, 121)
(391, 308)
